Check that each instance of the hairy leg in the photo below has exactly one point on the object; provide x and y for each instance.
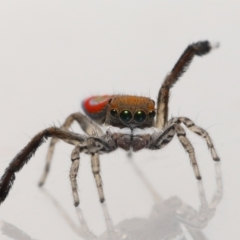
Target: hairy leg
(96, 173)
(189, 148)
(167, 135)
(88, 145)
(86, 125)
(199, 49)
(75, 157)
(202, 133)
(26, 154)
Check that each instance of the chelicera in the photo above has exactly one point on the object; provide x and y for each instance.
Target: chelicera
(117, 121)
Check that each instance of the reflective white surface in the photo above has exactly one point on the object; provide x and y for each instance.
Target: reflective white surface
(55, 53)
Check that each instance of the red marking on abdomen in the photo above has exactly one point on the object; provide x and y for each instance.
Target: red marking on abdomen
(95, 104)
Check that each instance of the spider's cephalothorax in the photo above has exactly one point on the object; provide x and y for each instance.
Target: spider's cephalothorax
(130, 111)
(121, 110)
(117, 121)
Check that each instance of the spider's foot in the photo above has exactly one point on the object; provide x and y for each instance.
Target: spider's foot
(214, 155)
(102, 200)
(202, 48)
(199, 178)
(217, 159)
(76, 203)
(43, 179)
(41, 182)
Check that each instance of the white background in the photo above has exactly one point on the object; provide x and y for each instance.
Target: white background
(53, 54)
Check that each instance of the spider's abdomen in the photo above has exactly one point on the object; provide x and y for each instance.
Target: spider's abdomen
(95, 107)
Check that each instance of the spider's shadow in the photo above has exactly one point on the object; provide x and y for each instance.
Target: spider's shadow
(9, 230)
(168, 219)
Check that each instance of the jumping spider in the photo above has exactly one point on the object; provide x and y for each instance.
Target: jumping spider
(117, 121)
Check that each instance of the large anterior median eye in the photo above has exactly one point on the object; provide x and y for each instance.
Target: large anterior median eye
(140, 116)
(126, 116)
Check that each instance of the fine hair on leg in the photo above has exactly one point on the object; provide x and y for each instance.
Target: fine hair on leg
(96, 173)
(75, 157)
(85, 124)
(196, 49)
(26, 154)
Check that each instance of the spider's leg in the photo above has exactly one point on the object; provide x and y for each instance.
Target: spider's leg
(201, 132)
(73, 173)
(26, 153)
(161, 139)
(86, 125)
(96, 173)
(189, 148)
(199, 49)
(166, 136)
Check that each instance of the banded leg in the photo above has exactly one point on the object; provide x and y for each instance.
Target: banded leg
(162, 138)
(96, 173)
(73, 173)
(189, 148)
(166, 136)
(199, 49)
(86, 125)
(202, 133)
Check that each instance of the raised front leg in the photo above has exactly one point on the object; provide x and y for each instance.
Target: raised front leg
(199, 49)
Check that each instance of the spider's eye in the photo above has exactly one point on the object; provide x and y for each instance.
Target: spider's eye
(152, 114)
(126, 116)
(113, 112)
(140, 116)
